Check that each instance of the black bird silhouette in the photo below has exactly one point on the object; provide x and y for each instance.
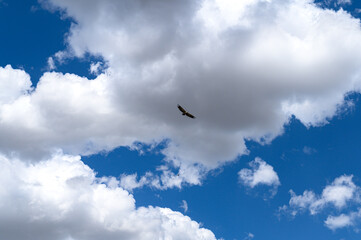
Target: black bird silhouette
(184, 112)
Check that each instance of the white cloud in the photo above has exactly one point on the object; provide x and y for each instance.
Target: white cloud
(161, 54)
(194, 64)
(62, 199)
(343, 220)
(166, 178)
(302, 201)
(344, 2)
(250, 236)
(51, 63)
(95, 68)
(14, 84)
(338, 222)
(336, 3)
(260, 174)
(184, 206)
(130, 182)
(341, 191)
(340, 194)
(308, 150)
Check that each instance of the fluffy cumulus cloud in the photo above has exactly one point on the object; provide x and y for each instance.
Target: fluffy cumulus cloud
(14, 83)
(343, 220)
(338, 222)
(339, 194)
(62, 199)
(260, 174)
(243, 68)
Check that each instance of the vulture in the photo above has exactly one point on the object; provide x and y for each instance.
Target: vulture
(184, 112)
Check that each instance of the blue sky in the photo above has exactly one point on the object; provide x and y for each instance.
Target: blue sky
(97, 149)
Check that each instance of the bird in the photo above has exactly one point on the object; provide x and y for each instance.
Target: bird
(184, 112)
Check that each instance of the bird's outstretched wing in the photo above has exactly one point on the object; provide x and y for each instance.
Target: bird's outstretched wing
(181, 109)
(189, 115)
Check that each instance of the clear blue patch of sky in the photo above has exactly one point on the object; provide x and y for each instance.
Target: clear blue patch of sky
(127, 160)
(31, 34)
(353, 7)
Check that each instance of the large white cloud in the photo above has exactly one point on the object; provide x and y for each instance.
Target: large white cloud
(61, 199)
(242, 67)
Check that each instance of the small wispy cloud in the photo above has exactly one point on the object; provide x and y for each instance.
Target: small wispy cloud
(249, 236)
(3, 3)
(342, 2)
(308, 150)
(95, 68)
(164, 178)
(51, 63)
(336, 3)
(131, 182)
(184, 206)
(58, 58)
